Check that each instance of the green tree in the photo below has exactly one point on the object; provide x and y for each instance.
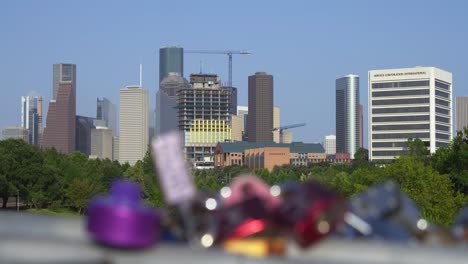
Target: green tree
(453, 160)
(151, 188)
(20, 164)
(361, 158)
(80, 191)
(418, 149)
(433, 192)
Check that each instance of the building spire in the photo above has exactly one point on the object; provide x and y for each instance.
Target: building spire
(141, 73)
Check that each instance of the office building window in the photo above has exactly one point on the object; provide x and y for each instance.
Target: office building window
(400, 135)
(400, 110)
(400, 84)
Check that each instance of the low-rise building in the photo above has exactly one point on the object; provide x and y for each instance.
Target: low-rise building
(268, 154)
(15, 132)
(267, 157)
(339, 158)
(101, 143)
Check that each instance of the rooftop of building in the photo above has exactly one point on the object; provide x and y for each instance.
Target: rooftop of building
(171, 46)
(294, 147)
(132, 87)
(204, 74)
(410, 68)
(351, 75)
(15, 127)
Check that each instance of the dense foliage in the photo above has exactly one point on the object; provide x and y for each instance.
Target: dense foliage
(47, 179)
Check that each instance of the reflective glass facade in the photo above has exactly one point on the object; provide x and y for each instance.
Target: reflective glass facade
(347, 114)
(171, 59)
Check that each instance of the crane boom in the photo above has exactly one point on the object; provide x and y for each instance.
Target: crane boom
(280, 129)
(288, 127)
(229, 53)
(219, 51)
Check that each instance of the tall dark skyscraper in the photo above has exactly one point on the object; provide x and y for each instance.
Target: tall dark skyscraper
(60, 124)
(106, 114)
(166, 102)
(171, 59)
(233, 91)
(84, 125)
(347, 114)
(63, 73)
(260, 121)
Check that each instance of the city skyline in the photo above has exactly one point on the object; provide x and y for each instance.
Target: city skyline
(111, 60)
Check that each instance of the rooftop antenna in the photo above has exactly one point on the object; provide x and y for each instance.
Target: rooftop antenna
(201, 67)
(141, 73)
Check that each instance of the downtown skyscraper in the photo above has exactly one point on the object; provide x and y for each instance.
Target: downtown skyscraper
(31, 117)
(171, 59)
(408, 103)
(83, 127)
(60, 123)
(133, 136)
(347, 114)
(171, 80)
(106, 115)
(204, 116)
(260, 119)
(243, 113)
(166, 102)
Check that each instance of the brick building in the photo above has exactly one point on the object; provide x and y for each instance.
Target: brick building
(268, 154)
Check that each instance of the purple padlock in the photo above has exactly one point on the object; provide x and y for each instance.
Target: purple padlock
(122, 220)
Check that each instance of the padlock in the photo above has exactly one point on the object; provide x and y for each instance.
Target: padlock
(193, 221)
(460, 226)
(309, 211)
(246, 208)
(385, 202)
(122, 220)
(256, 247)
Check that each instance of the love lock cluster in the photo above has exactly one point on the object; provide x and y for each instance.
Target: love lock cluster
(252, 218)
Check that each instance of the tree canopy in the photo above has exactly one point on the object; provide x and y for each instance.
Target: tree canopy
(437, 182)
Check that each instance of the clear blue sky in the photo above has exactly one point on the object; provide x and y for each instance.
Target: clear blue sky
(306, 45)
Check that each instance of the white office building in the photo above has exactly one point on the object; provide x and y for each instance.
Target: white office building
(133, 138)
(330, 145)
(408, 103)
(276, 123)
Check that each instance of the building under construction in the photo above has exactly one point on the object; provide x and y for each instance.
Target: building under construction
(204, 116)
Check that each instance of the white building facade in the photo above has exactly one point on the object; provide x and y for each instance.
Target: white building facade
(462, 112)
(330, 145)
(101, 143)
(408, 103)
(133, 138)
